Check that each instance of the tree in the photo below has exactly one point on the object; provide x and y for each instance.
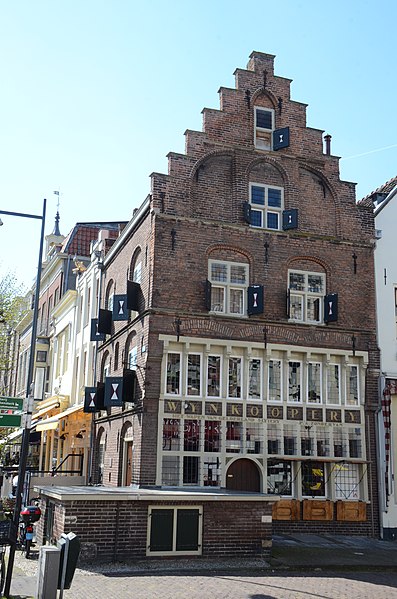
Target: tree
(13, 306)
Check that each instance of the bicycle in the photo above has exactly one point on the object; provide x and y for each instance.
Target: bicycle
(29, 515)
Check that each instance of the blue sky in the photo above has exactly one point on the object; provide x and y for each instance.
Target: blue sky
(95, 94)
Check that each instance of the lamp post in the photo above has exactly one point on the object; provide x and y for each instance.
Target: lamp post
(26, 430)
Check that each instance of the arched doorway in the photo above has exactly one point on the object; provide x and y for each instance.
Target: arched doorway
(243, 475)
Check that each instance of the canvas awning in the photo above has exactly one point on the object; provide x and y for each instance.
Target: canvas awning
(52, 422)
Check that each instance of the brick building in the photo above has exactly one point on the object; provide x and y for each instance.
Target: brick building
(247, 360)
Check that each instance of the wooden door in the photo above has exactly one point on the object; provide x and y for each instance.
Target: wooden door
(243, 475)
(128, 463)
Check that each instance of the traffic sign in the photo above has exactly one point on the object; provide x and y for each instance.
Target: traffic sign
(11, 403)
(10, 420)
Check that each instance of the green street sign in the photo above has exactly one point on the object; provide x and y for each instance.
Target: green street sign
(11, 403)
(9, 420)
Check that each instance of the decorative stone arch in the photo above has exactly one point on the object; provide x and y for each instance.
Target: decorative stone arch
(261, 91)
(274, 163)
(231, 248)
(327, 186)
(201, 162)
(310, 259)
(244, 474)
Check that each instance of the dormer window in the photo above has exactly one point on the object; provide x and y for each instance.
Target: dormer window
(264, 126)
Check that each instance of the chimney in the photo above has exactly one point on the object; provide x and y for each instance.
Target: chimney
(327, 139)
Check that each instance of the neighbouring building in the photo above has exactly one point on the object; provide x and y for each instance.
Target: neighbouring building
(237, 365)
(383, 201)
(60, 432)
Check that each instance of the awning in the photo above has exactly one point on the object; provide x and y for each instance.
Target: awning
(44, 425)
(44, 411)
(52, 422)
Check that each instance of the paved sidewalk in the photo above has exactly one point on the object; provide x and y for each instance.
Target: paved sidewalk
(205, 579)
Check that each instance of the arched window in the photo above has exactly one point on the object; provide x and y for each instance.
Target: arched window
(135, 271)
(109, 295)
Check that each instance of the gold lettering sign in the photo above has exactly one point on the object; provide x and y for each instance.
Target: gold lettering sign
(314, 414)
(213, 408)
(275, 412)
(234, 409)
(353, 416)
(254, 411)
(193, 407)
(294, 413)
(172, 406)
(333, 416)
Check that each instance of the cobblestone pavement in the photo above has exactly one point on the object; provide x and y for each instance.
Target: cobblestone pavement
(220, 580)
(274, 586)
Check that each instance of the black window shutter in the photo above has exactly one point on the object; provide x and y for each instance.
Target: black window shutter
(100, 396)
(247, 212)
(104, 321)
(90, 400)
(133, 295)
(161, 530)
(187, 530)
(113, 391)
(281, 138)
(290, 219)
(120, 310)
(95, 334)
(331, 307)
(288, 303)
(255, 299)
(129, 383)
(208, 288)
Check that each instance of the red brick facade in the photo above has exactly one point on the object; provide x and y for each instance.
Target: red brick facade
(194, 218)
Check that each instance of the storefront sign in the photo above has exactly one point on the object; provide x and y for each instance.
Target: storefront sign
(294, 413)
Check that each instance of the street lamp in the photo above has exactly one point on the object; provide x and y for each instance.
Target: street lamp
(26, 430)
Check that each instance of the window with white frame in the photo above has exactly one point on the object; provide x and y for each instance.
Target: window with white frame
(314, 380)
(137, 273)
(274, 438)
(266, 203)
(132, 358)
(279, 477)
(352, 386)
(255, 378)
(194, 374)
(333, 384)
(234, 377)
(170, 470)
(347, 481)
(264, 126)
(313, 479)
(294, 382)
(171, 434)
(254, 437)
(229, 283)
(174, 530)
(214, 376)
(290, 439)
(274, 380)
(173, 374)
(306, 296)
(355, 442)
